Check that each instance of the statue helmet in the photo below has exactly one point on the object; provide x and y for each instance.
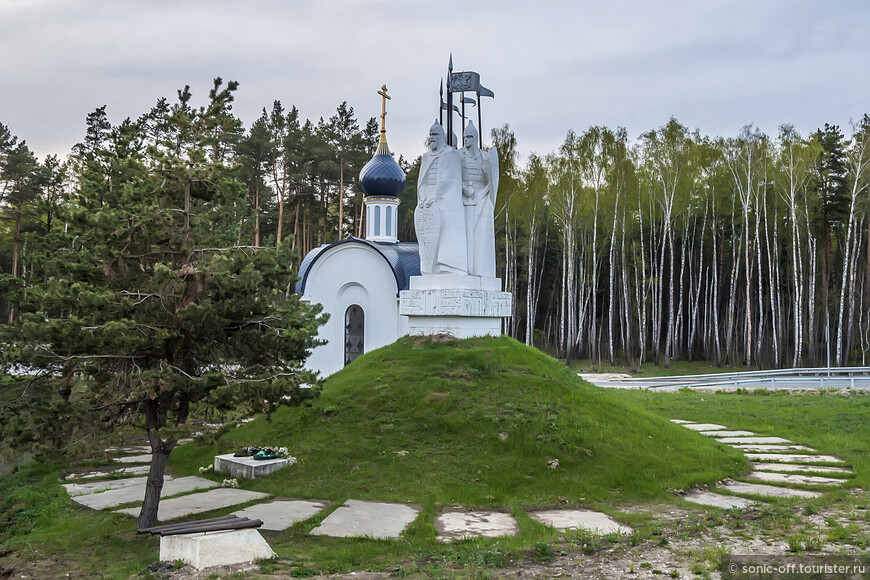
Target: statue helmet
(470, 131)
(437, 128)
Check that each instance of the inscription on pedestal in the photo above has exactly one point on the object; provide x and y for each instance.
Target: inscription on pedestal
(455, 303)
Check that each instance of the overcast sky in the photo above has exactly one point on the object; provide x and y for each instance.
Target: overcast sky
(715, 65)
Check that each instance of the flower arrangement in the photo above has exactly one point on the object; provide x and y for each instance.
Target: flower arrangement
(263, 453)
(233, 483)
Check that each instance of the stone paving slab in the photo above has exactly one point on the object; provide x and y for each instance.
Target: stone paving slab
(595, 522)
(767, 490)
(704, 426)
(281, 514)
(752, 440)
(367, 519)
(198, 503)
(798, 467)
(792, 458)
(74, 489)
(794, 478)
(134, 459)
(451, 526)
(717, 500)
(767, 448)
(134, 450)
(115, 497)
(721, 433)
(680, 421)
(122, 471)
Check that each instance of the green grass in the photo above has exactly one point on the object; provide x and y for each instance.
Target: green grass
(472, 422)
(479, 420)
(835, 423)
(47, 533)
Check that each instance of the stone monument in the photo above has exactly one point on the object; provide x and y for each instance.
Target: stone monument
(439, 218)
(479, 186)
(457, 292)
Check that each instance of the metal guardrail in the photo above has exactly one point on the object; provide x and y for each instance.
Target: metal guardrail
(802, 378)
(781, 382)
(816, 372)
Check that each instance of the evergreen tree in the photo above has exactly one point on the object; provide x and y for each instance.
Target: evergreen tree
(832, 197)
(19, 195)
(146, 304)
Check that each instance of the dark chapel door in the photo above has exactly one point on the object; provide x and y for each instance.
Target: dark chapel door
(354, 333)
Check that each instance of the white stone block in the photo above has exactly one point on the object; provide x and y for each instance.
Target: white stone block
(207, 549)
(456, 326)
(455, 282)
(247, 467)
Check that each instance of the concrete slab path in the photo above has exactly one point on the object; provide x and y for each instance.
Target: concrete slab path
(121, 471)
(792, 458)
(769, 466)
(198, 503)
(279, 515)
(751, 440)
(450, 526)
(594, 522)
(779, 467)
(115, 497)
(367, 519)
(772, 477)
(74, 489)
(718, 500)
(132, 450)
(134, 459)
(726, 433)
(742, 488)
(704, 426)
(770, 448)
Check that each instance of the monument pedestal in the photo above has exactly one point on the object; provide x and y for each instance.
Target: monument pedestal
(457, 305)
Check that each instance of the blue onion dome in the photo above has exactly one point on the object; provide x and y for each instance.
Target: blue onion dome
(382, 176)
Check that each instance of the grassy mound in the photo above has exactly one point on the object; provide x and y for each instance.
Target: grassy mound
(477, 422)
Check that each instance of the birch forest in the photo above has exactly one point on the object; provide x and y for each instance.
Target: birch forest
(749, 250)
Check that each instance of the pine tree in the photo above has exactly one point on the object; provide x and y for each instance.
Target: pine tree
(146, 304)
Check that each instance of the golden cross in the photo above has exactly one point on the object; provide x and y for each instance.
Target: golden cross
(383, 93)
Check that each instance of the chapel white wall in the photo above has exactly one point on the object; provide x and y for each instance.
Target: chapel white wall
(346, 274)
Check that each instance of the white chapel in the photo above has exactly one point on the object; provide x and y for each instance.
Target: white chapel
(358, 281)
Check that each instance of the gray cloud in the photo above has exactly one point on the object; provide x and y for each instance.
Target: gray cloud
(554, 65)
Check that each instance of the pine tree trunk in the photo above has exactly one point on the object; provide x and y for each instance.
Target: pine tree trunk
(16, 244)
(160, 451)
(280, 235)
(153, 487)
